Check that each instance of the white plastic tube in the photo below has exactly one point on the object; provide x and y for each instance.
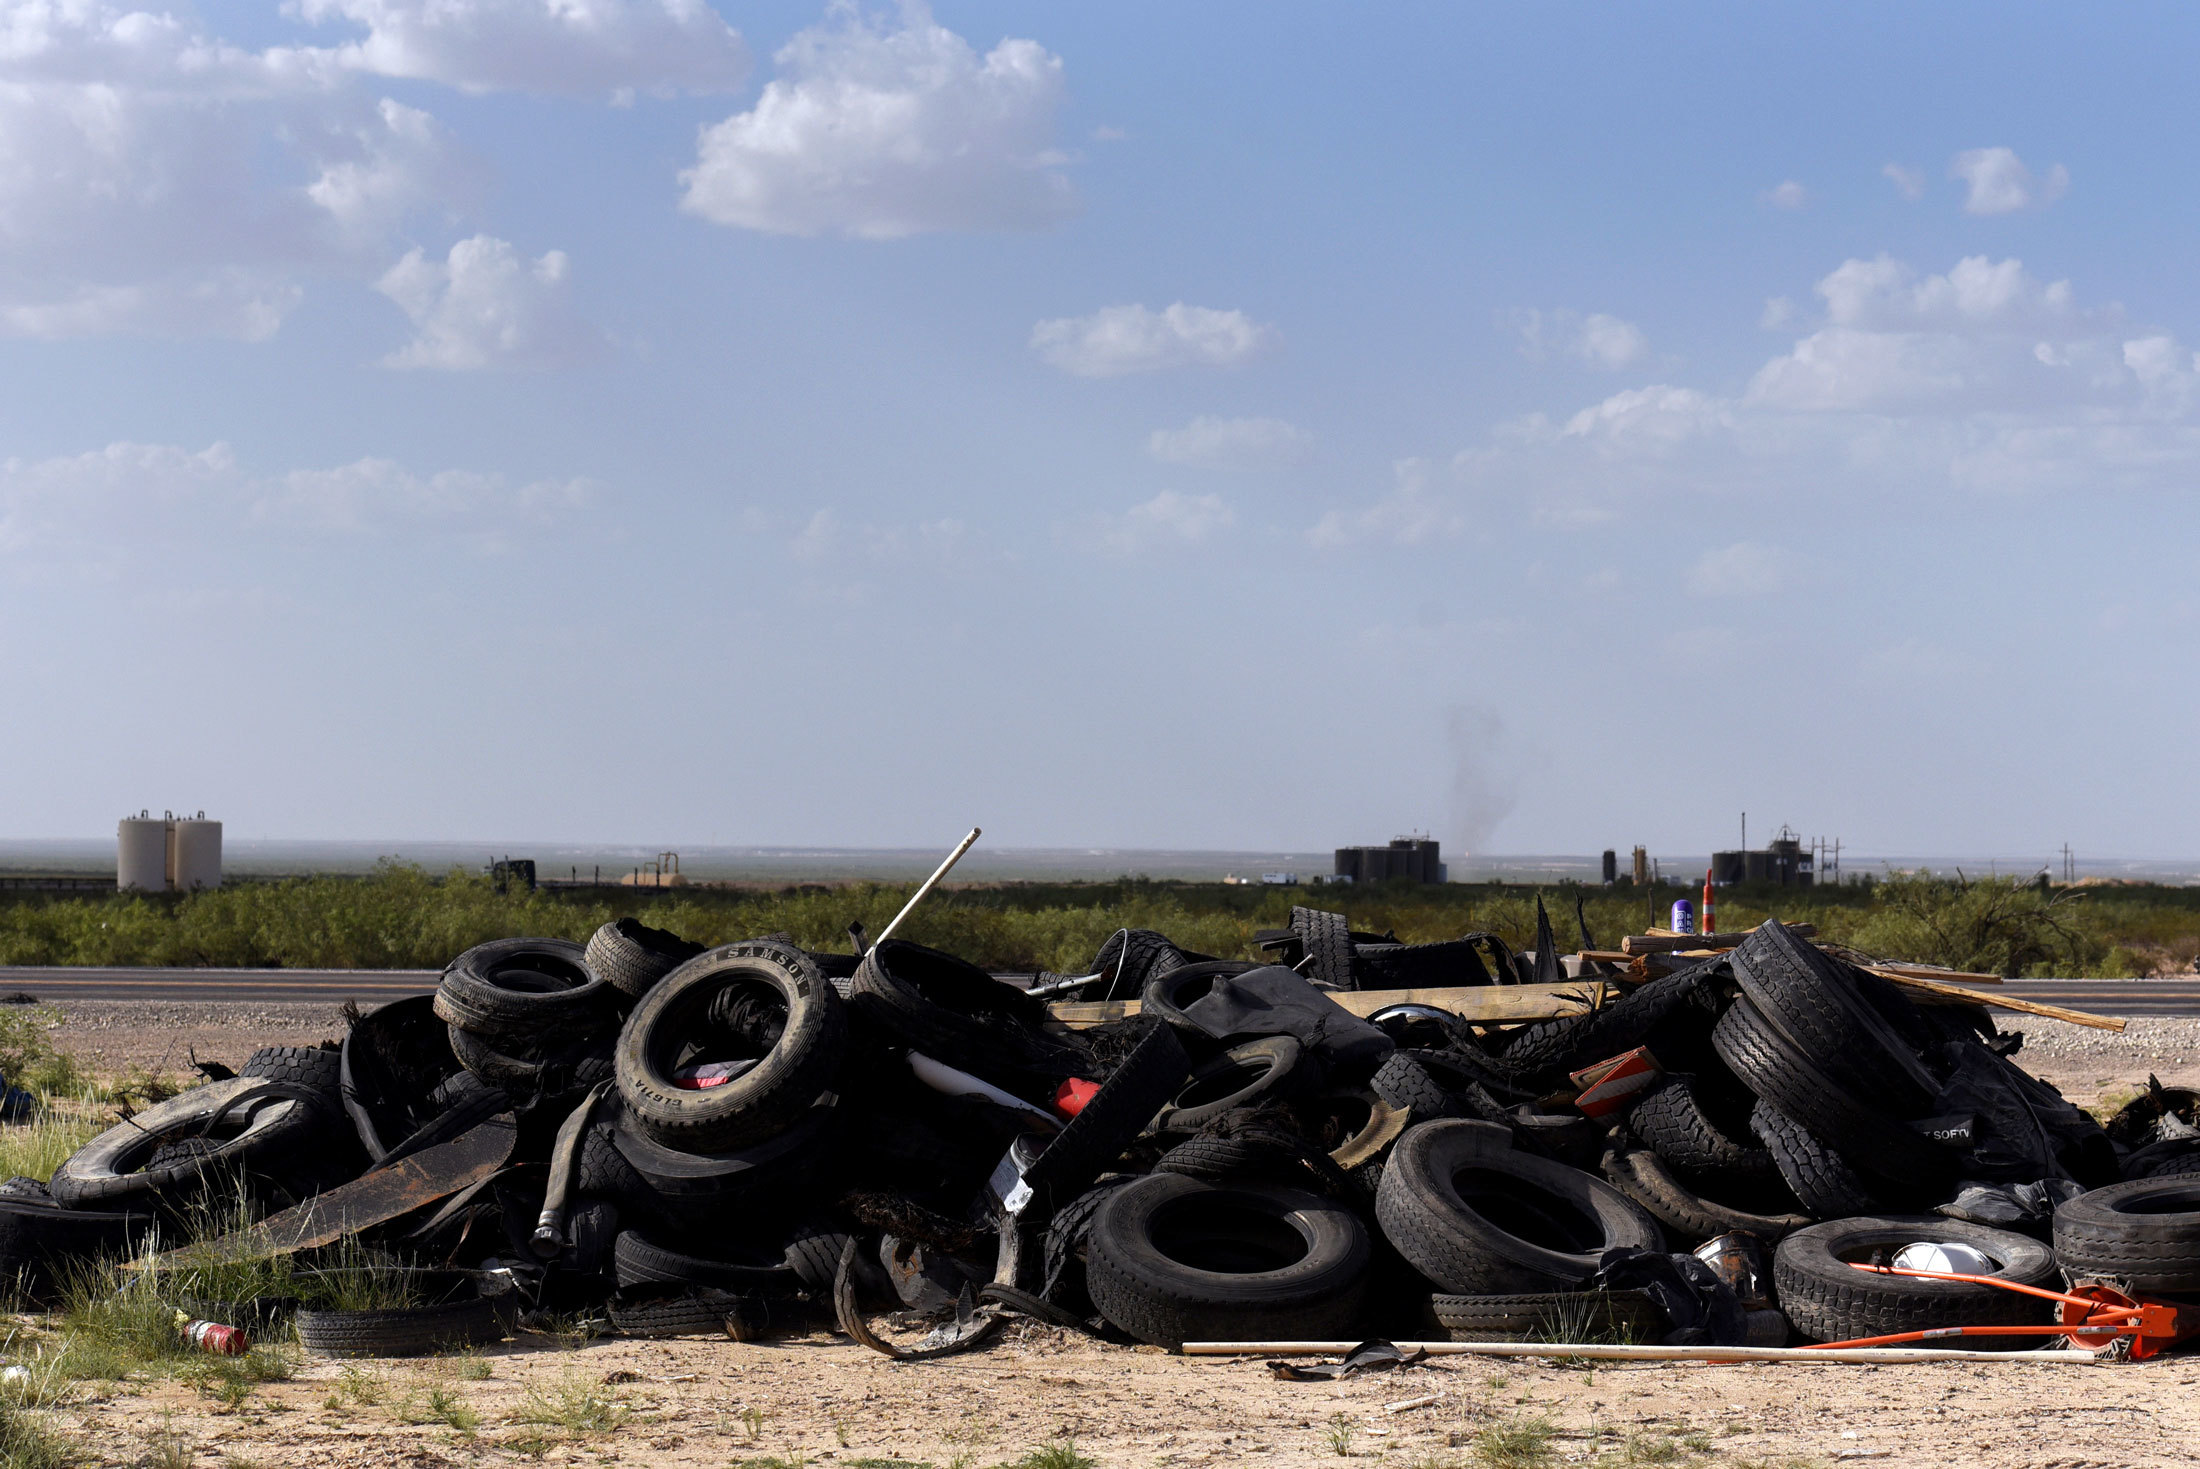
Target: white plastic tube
(942, 1077)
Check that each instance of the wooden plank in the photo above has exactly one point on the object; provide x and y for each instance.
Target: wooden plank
(1932, 989)
(1928, 971)
(1481, 1004)
(1673, 943)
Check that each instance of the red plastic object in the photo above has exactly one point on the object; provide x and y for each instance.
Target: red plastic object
(1070, 1097)
(1617, 1082)
(2092, 1315)
(216, 1339)
(1709, 926)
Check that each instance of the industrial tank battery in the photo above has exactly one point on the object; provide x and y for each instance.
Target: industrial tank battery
(141, 853)
(167, 853)
(196, 845)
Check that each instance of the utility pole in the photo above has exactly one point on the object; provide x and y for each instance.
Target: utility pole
(1745, 831)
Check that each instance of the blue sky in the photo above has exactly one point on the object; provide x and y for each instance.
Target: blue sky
(1144, 425)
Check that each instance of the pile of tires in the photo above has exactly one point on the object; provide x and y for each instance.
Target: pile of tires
(755, 1138)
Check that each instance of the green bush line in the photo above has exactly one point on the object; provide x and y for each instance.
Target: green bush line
(404, 917)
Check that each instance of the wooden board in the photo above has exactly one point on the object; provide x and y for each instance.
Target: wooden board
(1673, 943)
(1931, 991)
(1481, 1004)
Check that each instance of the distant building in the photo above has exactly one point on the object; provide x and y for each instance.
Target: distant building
(1416, 859)
(1784, 863)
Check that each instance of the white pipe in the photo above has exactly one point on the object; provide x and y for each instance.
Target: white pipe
(1599, 1352)
(942, 1077)
(918, 896)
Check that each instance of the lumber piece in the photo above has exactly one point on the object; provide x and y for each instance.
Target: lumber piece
(1674, 943)
(1479, 1004)
(1600, 1351)
(1931, 971)
(1931, 990)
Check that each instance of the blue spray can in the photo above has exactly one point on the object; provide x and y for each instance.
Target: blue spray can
(1684, 916)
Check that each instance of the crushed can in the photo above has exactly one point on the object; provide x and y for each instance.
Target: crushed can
(216, 1339)
(1739, 1258)
(1684, 916)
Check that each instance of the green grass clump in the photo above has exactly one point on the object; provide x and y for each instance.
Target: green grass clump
(35, 1147)
(573, 1404)
(1060, 1454)
(1524, 1443)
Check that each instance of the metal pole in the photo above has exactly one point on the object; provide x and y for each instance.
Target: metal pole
(918, 896)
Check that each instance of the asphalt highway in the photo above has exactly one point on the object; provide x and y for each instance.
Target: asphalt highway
(2124, 997)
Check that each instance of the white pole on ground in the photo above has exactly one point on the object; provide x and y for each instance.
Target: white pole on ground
(918, 896)
(1612, 1353)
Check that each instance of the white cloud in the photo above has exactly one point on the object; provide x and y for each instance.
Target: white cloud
(1787, 194)
(1122, 339)
(1908, 182)
(1168, 520)
(1599, 340)
(101, 503)
(1413, 513)
(568, 47)
(1744, 569)
(1779, 311)
(882, 133)
(2001, 184)
(157, 179)
(1655, 418)
(829, 538)
(486, 305)
(1232, 443)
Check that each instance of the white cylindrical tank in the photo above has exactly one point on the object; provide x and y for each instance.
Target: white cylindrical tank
(198, 849)
(141, 853)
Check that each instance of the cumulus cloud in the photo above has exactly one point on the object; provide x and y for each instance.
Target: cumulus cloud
(157, 179)
(568, 47)
(485, 305)
(1744, 569)
(1908, 182)
(882, 132)
(1601, 341)
(1787, 194)
(1232, 443)
(2001, 184)
(104, 501)
(1168, 520)
(1123, 339)
(1417, 510)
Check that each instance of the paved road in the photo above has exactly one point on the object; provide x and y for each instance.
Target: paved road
(332, 985)
(2103, 996)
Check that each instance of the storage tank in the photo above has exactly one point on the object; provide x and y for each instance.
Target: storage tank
(197, 844)
(141, 853)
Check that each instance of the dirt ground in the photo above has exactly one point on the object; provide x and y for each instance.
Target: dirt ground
(821, 1401)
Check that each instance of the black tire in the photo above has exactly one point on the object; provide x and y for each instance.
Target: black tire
(408, 1333)
(1270, 1068)
(527, 990)
(315, 1068)
(265, 1124)
(1264, 1154)
(813, 1254)
(1811, 998)
(1771, 1066)
(1821, 1180)
(642, 1261)
(1827, 1300)
(1429, 1082)
(2169, 1158)
(957, 1013)
(1450, 964)
(528, 1074)
(786, 1082)
(631, 956)
(1627, 1316)
(1689, 1217)
(39, 1239)
(1171, 1259)
(1111, 1119)
(1540, 1057)
(1673, 1121)
(395, 1060)
(1167, 993)
(2144, 1234)
(1327, 939)
(697, 1313)
(699, 1192)
(1137, 955)
(1478, 1218)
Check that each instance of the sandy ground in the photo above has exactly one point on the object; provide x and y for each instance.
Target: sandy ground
(823, 1402)
(695, 1402)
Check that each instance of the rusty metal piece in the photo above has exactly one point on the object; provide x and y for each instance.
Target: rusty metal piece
(376, 1197)
(971, 1327)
